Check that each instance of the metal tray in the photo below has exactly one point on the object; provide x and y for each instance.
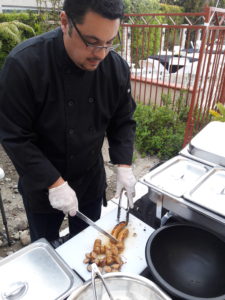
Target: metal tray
(209, 191)
(209, 143)
(36, 272)
(177, 175)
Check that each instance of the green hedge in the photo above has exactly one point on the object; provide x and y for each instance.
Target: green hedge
(160, 130)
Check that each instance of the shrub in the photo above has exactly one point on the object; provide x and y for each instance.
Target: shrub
(12, 33)
(34, 20)
(220, 114)
(160, 131)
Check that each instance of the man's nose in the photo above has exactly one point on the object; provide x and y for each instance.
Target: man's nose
(101, 53)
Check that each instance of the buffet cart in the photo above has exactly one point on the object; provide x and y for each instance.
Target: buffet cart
(187, 189)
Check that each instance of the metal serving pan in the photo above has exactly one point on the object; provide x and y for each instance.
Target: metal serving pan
(36, 272)
(209, 143)
(209, 191)
(177, 175)
(122, 285)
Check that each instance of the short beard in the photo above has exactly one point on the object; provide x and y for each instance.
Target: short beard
(70, 29)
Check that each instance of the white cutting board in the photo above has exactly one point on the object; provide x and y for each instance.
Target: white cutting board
(73, 251)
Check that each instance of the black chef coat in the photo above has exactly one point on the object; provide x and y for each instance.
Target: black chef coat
(54, 117)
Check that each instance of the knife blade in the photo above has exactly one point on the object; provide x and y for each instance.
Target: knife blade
(93, 224)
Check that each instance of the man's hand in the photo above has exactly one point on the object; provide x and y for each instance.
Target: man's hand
(127, 181)
(64, 198)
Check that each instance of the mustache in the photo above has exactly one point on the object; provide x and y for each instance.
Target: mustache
(96, 59)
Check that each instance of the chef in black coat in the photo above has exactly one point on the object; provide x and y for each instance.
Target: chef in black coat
(61, 93)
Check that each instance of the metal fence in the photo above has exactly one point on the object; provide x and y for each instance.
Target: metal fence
(178, 58)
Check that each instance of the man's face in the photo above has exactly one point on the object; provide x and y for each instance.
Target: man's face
(95, 30)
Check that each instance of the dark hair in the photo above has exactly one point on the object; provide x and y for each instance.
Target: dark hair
(77, 9)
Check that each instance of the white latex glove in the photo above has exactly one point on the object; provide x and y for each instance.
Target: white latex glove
(64, 198)
(2, 174)
(126, 181)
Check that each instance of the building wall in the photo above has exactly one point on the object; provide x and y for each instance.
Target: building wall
(6, 5)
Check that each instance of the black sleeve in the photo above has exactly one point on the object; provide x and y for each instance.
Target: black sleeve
(17, 120)
(121, 130)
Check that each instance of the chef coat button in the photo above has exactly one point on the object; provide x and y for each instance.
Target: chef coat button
(70, 103)
(91, 100)
(71, 131)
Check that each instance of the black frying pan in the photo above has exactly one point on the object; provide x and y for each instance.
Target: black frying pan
(188, 262)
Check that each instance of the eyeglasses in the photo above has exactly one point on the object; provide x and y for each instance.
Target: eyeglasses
(95, 48)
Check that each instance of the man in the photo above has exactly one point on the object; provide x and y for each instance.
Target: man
(60, 93)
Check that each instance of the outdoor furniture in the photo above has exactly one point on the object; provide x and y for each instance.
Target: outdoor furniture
(173, 63)
(4, 220)
(157, 67)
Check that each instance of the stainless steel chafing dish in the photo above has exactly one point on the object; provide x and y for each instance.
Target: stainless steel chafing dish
(192, 184)
(36, 272)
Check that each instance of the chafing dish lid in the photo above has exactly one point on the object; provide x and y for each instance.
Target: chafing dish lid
(209, 143)
(36, 272)
(177, 175)
(209, 191)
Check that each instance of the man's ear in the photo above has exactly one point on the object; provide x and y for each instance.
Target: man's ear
(64, 22)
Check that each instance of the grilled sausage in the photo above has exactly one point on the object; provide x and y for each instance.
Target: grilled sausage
(117, 259)
(107, 256)
(120, 246)
(86, 260)
(116, 230)
(115, 266)
(97, 246)
(107, 269)
(102, 250)
(123, 234)
(114, 250)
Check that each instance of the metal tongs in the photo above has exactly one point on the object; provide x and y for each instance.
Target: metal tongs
(94, 274)
(127, 209)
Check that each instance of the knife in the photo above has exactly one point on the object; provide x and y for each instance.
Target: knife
(93, 224)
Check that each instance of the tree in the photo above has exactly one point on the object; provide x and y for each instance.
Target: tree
(141, 45)
(141, 6)
(171, 2)
(54, 6)
(194, 6)
(49, 10)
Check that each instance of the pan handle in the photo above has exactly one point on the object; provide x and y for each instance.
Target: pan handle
(15, 290)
